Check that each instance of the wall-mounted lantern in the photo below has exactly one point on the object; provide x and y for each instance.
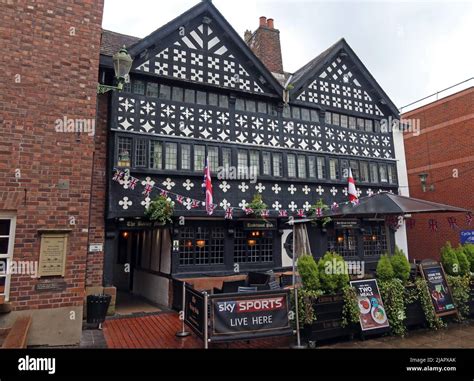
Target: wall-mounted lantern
(122, 65)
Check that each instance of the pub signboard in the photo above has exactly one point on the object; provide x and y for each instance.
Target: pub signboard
(438, 288)
(194, 310)
(372, 313)
(250, 315)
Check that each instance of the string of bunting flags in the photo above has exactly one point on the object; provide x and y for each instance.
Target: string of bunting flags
(394, 222)
(122, 176)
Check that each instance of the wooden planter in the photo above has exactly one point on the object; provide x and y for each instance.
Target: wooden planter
(329, 316)
(415, 316)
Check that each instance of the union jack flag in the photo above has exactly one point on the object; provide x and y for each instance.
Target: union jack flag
(118, 175)
(148, 189)
(410, 222)
(469, 218)
(179, 199)
(228, 213)
(164, 193)
(265, 213)
(452, 223)
(300, 213)
(283, 213)
(133, 183)
(207, 184)
(433, 225)
(248, 211)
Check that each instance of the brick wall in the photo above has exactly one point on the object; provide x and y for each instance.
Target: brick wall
(444, 150)
(265, 43)
(50, 69)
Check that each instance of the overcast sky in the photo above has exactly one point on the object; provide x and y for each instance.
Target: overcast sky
(412, 48)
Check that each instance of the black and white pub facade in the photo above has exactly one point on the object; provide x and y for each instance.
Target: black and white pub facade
(198, 91)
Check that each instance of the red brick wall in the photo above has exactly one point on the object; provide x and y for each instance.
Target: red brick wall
(444, 147)
(265, 43)
(49, 71)
(95, 260)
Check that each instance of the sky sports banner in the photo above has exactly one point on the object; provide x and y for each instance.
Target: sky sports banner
(250, 315)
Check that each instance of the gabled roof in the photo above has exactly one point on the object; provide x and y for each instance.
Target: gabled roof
(111, 42)
(204, 8)
(303, 76)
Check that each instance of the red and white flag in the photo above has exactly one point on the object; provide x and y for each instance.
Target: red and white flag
(208, 185)
(351, 188)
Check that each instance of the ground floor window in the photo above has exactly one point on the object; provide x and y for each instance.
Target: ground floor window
(375, 240)
(343, 242)
(7, 239)
(201, 246)
(253, 246)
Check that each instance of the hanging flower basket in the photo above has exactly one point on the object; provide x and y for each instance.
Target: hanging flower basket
(161, 210)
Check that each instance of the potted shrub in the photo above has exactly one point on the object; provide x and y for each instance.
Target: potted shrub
(334, 309)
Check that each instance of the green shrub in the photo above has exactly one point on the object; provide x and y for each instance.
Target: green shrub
(393, 295)
(449, 259)
(385, 269)
(469, 251)
(401, 266)
(464, 264)
(160, 210)
(333, 274)
(460, 288)
(308, 270)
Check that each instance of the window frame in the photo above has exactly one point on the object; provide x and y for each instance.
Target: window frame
(9, 255)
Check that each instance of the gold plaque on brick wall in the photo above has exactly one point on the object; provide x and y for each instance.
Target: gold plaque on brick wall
(52, 261)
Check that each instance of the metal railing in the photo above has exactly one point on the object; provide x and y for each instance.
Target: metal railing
(436, 96)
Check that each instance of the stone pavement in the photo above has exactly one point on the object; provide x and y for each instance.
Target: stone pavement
(454, 336)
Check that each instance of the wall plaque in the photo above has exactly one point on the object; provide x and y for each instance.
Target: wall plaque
(53, 249)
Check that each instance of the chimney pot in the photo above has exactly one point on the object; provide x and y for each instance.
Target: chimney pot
(263, 21)
(270, 24)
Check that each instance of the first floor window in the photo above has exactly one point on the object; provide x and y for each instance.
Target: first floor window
(392, 174)
(186, 157)
(277, 165)
(199, 158)
(267, 165)
(156, 155)
(374, 173)
(213, 158)
(171, 156)
(152, 90)
(291, 165)
(355, 169)
(242, 161)
(7, 239)
(140, 152)
(333, 169)
(255, 161)
(124, 149)
(312, 167)
(364, 171)
(301, 166)
(226, 157)
(321, 168)
(138, 87)
(383, 173)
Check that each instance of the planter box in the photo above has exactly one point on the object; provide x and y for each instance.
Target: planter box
(415, 316)
(328, 325)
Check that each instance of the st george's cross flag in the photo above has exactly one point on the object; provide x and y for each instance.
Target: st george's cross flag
(351, 188)
(207, 184)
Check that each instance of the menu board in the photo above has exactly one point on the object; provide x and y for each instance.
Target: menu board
(52, 260)
(438, 288)
(372, 311)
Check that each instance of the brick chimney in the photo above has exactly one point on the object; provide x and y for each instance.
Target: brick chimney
(265, 43)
